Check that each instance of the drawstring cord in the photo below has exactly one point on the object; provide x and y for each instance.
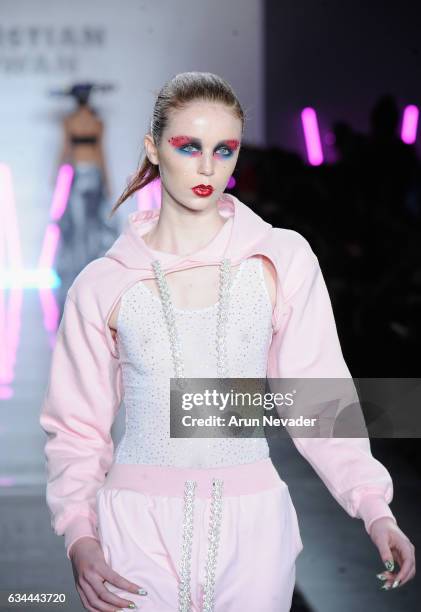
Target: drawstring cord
(184, 591)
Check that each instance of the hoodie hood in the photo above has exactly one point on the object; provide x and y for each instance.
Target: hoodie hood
(241, 232)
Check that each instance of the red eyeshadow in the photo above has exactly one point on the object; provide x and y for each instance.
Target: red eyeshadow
(179, 141)
(233, 144)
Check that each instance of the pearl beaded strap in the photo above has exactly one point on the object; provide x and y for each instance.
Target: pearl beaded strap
(168, 308)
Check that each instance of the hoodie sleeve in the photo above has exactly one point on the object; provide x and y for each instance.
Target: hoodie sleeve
(310, 348)
(79, 407)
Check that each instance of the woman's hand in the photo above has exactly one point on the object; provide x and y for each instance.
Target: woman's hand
(91, 571)
(393, 545)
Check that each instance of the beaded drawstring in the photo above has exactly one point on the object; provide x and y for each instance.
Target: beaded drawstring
(184, 591)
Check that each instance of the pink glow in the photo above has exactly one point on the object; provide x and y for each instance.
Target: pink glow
(8, 219)
(150, 193)
(11, 260)
(330, 139)
(231, 182)
(49, 246)
(48, 301)
(10, 257)
(5, 392)
(10, 324)
(410, 124)
(312, 136)
(7, 481)
(50, 309)
(61, 191)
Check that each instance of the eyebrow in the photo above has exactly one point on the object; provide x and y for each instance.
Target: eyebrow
(180, 140)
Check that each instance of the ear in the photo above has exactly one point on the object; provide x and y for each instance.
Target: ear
(151, 150)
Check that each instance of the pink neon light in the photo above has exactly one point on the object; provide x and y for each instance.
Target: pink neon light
(61, 191)
(50, 243)
(10, 317)
(312, 136)
(9, 219)
(152, 192)
(50, 309)
(48, 301)
(5, 393)
(49, 246)
(10, 254)
(410, 124)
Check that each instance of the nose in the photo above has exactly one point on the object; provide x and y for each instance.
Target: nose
(206, 164)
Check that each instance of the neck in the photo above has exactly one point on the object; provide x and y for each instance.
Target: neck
(181, 231)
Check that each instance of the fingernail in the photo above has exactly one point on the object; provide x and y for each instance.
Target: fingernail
(395, 584)
(131, 605)
(386, 587)
(381, 576)
(390, 565)
(142, 592)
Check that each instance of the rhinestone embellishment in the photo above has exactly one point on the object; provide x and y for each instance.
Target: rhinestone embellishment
(225, 281)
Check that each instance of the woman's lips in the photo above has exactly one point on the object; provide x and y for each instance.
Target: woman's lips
(203, 190)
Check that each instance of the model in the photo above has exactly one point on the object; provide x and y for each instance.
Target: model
(86, 230)
(201, 288)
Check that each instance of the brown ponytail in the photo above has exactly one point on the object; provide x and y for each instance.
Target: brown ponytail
(176, 94)
(145, 174)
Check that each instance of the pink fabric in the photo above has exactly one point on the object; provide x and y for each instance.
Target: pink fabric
(259, 542)
(243, 479)
(84, 390)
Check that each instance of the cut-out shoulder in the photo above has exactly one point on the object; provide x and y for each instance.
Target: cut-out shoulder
(181, 289)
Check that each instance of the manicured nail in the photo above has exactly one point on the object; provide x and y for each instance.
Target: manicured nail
(142, 592)
(386, 587)
(132, 606)
(390, 565)
(395, 584)
(381, 576)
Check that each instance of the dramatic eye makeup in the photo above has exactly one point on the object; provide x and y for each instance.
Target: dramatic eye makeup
(186, 145)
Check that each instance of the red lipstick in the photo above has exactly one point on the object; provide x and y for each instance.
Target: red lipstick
(203, 191)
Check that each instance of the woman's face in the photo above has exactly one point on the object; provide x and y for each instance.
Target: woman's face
(199, 146)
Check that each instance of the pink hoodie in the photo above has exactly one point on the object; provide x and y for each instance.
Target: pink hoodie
(85, 386)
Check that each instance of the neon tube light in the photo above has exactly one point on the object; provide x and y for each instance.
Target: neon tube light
(312, 136)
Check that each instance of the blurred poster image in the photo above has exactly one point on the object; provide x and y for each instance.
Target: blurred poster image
(85, 227)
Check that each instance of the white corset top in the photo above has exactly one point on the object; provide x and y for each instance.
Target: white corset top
(147, 366)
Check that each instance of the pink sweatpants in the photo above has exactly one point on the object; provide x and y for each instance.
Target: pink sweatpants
(166, 536)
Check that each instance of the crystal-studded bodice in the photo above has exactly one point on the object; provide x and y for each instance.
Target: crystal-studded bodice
(147, 366)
